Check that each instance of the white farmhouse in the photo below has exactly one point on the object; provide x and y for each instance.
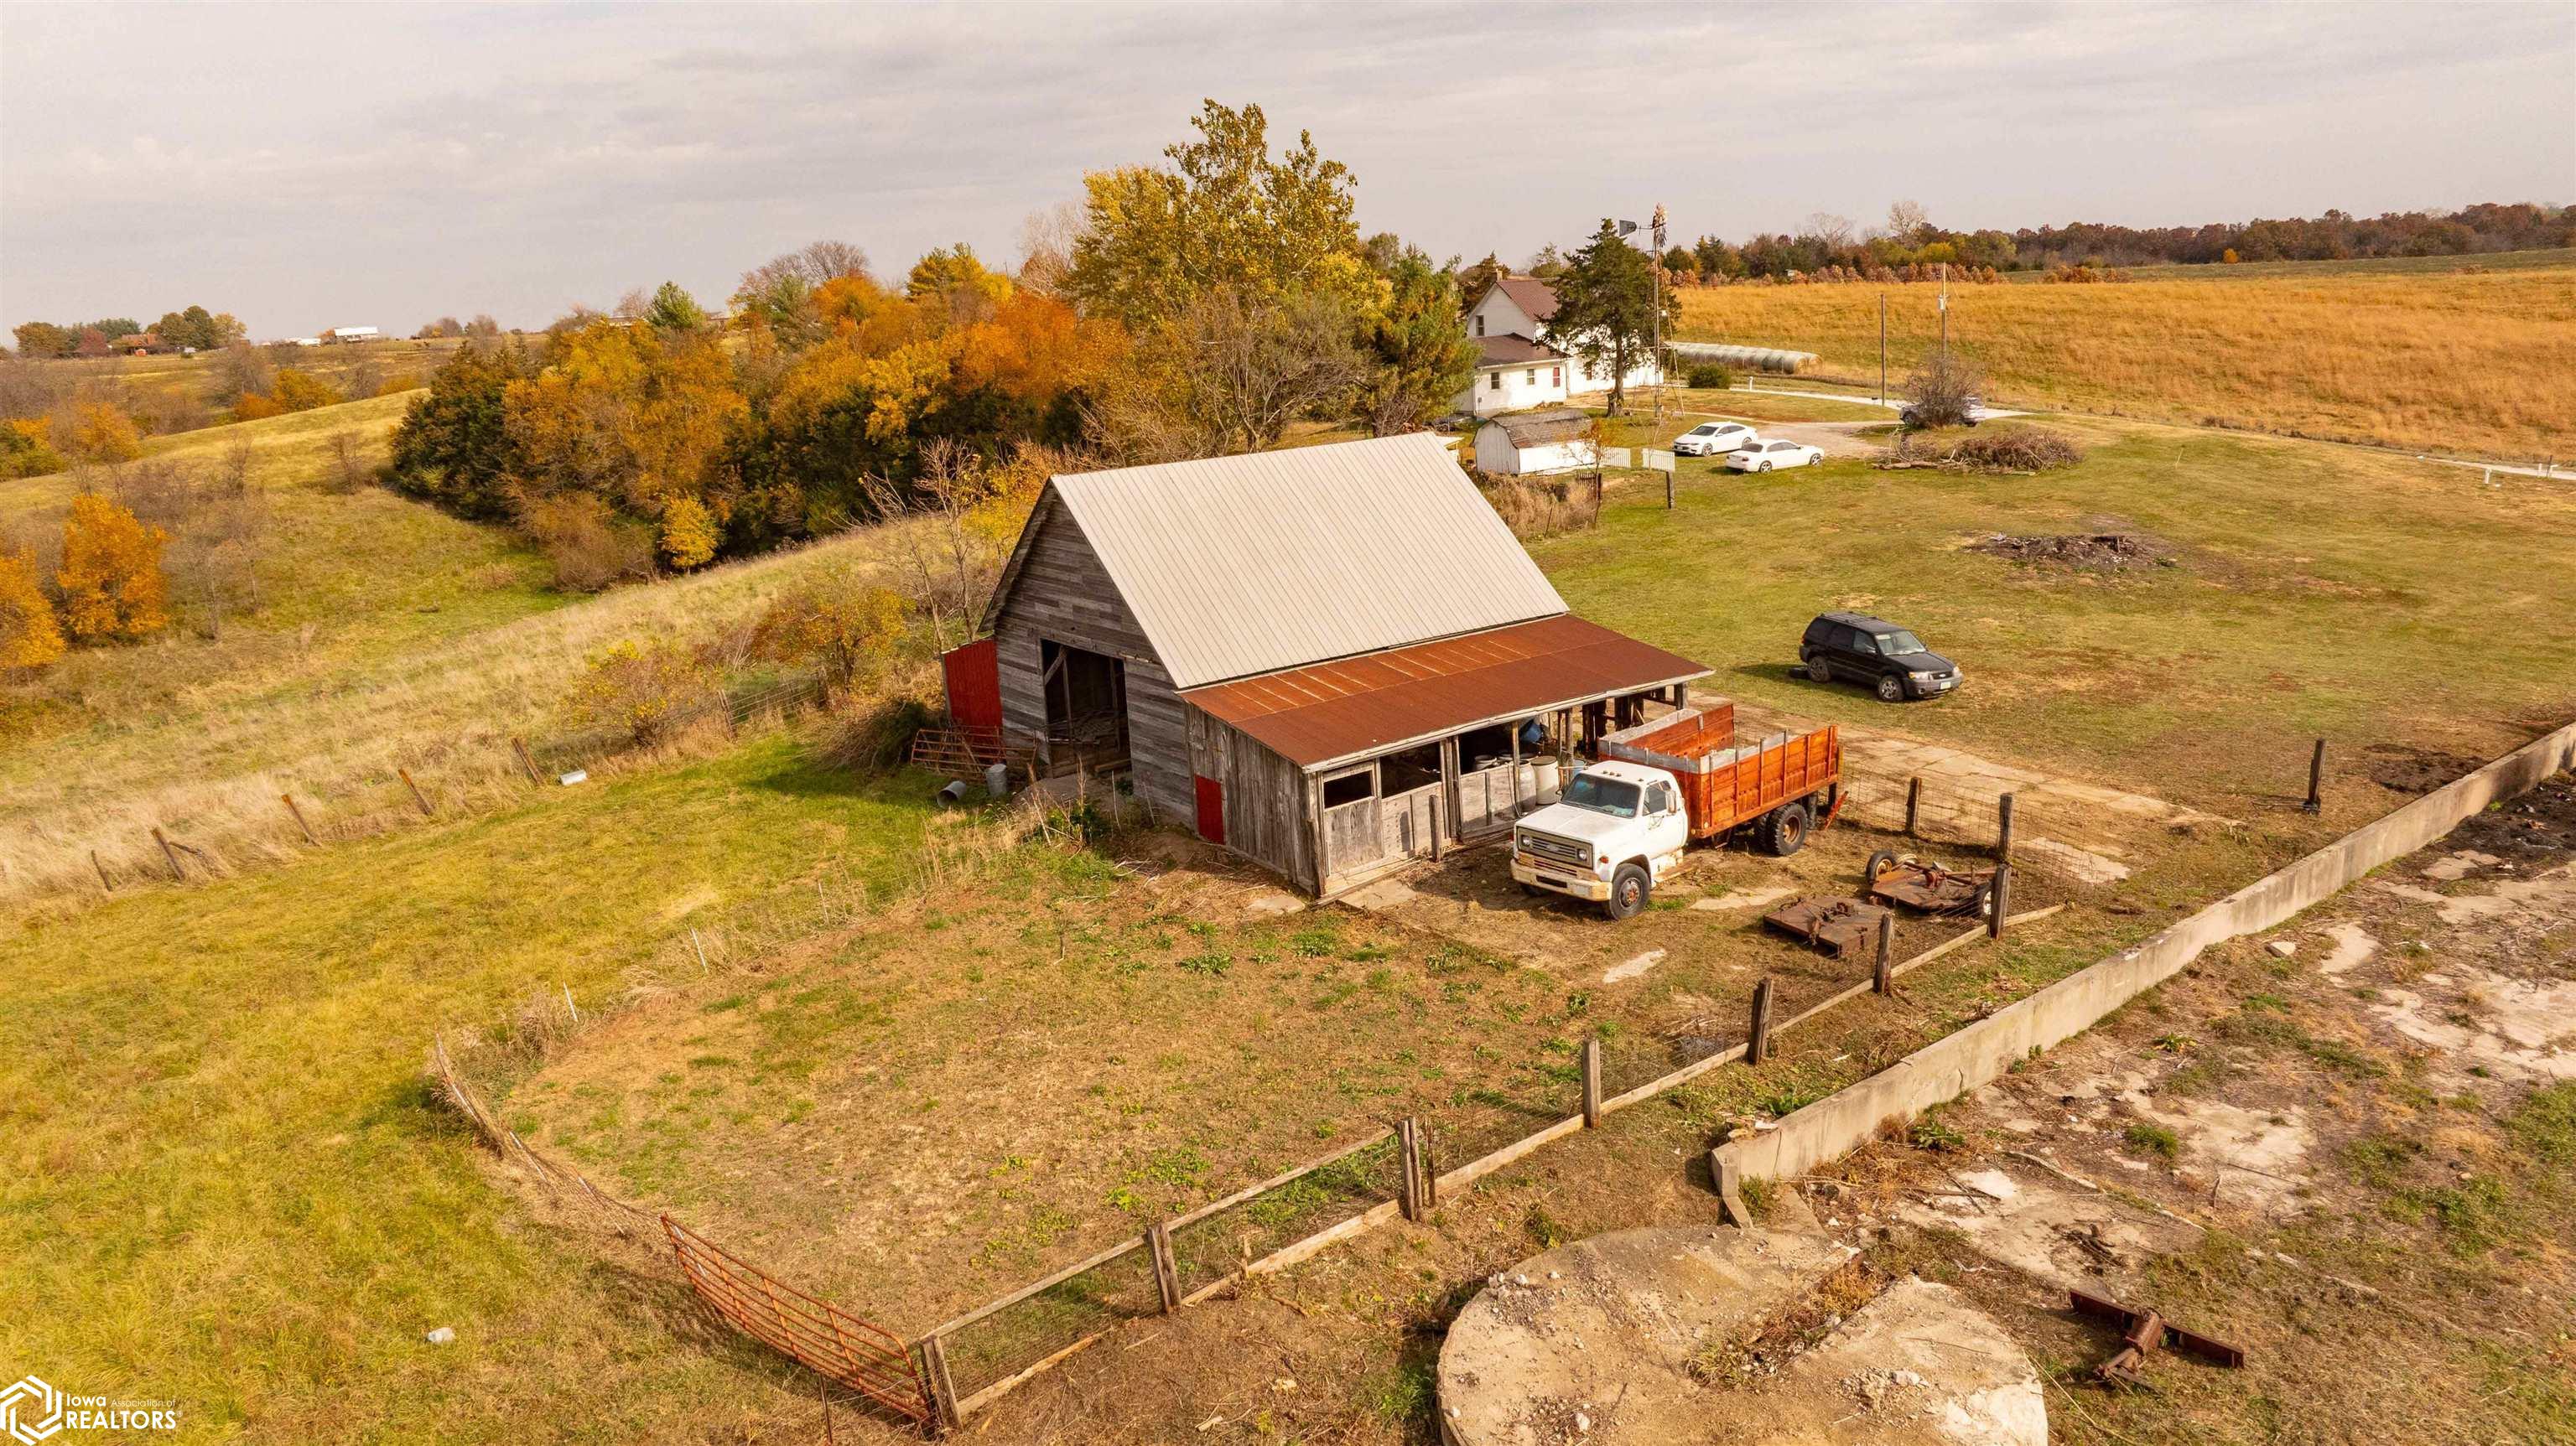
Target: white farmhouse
(1522, 306)
(1514, 374)
(1558, 439)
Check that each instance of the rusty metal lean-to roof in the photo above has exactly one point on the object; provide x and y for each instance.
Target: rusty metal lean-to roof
(1241, 565)
(1327, 713)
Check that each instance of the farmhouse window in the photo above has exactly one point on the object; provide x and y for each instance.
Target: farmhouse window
(1530, 376)
(1494, 381)
(1480, 323)
(1360, 783)
(1556, 376)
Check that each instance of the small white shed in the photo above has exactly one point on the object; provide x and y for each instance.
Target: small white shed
(1553, 439)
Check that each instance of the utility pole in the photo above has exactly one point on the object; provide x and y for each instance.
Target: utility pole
(1660, 366)
(1882, 348)
(1945, 309)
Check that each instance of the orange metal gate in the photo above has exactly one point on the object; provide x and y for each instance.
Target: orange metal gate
(863, 1357)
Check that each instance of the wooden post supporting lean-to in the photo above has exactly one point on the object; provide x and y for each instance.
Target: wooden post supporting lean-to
(1592, 1084)
(2316, 780)
(177, 874)
(1167, 1272)
(1757, 1038)
(417, 796)
(1882, 979)
(2003, 901)
(937, 1384)
(530, 764)
(289, 800)
(2003, 829)
(1913, 804)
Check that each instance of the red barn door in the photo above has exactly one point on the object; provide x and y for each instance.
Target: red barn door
(1211, 810)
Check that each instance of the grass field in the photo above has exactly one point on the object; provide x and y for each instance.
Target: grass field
(2315, 592)
(2554, 258)
(2457, 363)
(230, 1185)
(179, 394)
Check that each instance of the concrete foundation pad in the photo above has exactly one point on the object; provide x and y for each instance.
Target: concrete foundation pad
(1609, 1340)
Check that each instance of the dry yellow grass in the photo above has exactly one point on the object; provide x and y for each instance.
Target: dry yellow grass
(2477, 364)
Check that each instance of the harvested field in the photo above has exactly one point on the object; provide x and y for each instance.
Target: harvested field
(2455, 360)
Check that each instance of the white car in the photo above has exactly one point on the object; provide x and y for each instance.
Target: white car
(1710, 437)
(1763, 456)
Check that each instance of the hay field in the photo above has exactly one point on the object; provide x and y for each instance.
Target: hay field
(2455, 363)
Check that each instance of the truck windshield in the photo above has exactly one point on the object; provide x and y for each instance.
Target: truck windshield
(1603, 795)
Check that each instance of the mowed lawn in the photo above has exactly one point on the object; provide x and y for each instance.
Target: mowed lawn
(2460, 361)
(2316, 591)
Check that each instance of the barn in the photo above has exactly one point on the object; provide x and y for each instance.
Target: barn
(1329, 660)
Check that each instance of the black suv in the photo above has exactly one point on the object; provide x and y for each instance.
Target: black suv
(1870, 650)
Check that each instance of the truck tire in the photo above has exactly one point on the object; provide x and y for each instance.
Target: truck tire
(1879, 863)
(1784, 830)
(1630, 890)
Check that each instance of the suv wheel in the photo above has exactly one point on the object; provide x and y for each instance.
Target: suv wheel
(1819, 668)
(1891, 688)
(1630, 889)
(1785, 831)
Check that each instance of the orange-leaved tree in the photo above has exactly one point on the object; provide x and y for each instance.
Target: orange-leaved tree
(839, 623)
(29, 636)
(100, 432)
(297, 391)
(111, 578)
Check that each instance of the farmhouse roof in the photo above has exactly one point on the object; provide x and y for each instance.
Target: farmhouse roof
(1327, 712)
(1545, 425)
(1234, 566)
(1513, 349)
(1535, 297)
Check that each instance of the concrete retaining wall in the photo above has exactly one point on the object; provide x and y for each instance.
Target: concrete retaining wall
(1952, 1066)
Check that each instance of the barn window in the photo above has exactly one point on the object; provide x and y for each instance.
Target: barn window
(1483, 748)
(1360, 783)
(1411, 769)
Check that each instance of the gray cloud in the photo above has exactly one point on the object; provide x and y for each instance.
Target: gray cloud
(309, 166)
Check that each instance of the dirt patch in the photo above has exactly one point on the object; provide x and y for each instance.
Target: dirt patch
(2087, 551)
(2538, 828)
(2400, 768)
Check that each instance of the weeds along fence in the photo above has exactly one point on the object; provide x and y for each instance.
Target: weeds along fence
(163, 853)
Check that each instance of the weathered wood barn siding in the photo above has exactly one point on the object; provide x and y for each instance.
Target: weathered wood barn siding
(1267, 803)
(1065, 594)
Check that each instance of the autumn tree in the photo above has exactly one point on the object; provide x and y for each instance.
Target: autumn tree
(44, 339)
(779, 294)
(301, 391)
(100, 432)
(1230, 375)
(27, 448)
(1606, 309)
(111, 580)
(955, 287)
(1418, 355)
(838, 623)
(689, 535)
(645, 691)
(1227, 214)
(240, 369)
(29, 636)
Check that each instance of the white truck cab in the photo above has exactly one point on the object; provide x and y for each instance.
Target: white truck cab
(1617, 829)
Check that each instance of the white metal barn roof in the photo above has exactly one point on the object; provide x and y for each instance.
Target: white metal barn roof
(1241, 565)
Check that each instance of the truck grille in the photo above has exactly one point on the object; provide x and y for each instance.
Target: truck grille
(1564, 852)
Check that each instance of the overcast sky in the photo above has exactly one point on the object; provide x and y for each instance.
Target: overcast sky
(312, 166)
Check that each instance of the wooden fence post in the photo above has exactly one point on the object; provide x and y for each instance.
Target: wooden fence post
(1913, 804)
(2003, 901)
(1592, 1084)
(177, 874)
(2003, 829)
(520, 747)
(1167, 1272)
(289, 800)
(1883, 977)
(2316, 780)
(1410, 1175)
(417, 796)
(1757, 1040)
(937, 1385)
